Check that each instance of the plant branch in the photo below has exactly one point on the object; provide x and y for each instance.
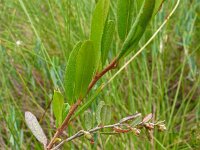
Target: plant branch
(74, 107)
(82, 132)
(111, 66)
(117, 128)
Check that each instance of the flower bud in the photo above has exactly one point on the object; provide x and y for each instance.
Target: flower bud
(149, 126)
(88, 135)
(136, 131)
(162, 127)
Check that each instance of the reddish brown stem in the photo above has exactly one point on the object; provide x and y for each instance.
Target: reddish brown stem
(65, 123)
(111, 66)
(73, 108)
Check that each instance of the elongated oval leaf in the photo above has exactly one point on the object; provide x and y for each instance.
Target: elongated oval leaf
(35, 127)
(85, 68)
(107, 40)
(98, 22)
(105, 114)
(69, 79)
(124, 18)
(88, 119)
(138, 27)
(98, 112)
(58, 103)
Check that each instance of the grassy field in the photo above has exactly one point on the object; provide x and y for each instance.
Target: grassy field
(36, 38)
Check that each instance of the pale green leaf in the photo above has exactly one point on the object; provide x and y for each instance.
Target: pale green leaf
(97, 27)
(69, 79)
(58, 102)
(136, 121)
(88, 120)
(98, 112)
(105, 114)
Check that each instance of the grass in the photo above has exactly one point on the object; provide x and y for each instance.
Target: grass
(164, 79)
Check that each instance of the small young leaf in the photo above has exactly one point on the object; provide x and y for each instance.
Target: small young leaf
(124, 19)
(35, 127)
(58, 103)
(88, 120)
(69, 81)
(138, 27)
(65, 111)
(105, 114)
(98, 112)
(85, 68)
(136, 121)
(98, 22)
(107, 40)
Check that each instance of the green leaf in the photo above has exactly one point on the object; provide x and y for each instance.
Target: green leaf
(124, 18)
(65, 111)
(85, 68)
(98, 112)
(107, 40)
(136, 121)
(69, 79)
(58, 102)
(97, 27)
(105, 114)
(88, 120)
(138, 27)
(158, 5)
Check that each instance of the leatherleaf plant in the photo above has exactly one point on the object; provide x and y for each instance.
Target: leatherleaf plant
(87, 64)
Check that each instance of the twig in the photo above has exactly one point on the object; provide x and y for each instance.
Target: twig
(81, 132)
(116, 128)
(111, 66)
(73, 108)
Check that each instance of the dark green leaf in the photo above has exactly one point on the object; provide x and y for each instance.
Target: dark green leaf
(69, 81)
(98, 22)
(138, 27)
(107, 40)
(124, 18)
(58, 102)
(85, 68)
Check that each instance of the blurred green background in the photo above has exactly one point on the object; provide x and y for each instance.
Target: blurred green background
(36, 38)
